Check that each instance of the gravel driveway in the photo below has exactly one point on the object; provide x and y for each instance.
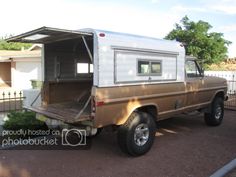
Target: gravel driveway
(184, 147)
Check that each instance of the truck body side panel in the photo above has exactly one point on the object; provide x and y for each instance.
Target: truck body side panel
(169, 99)
(120, 102)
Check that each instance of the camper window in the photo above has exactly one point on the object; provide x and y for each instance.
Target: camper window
(149, 68)
(143, 67)
(84, 68)
(156, 67)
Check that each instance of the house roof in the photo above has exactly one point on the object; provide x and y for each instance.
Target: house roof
(35, 47)
(13, 54)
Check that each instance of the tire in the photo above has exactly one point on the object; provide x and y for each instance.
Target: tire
(136, 136)
(215, 117)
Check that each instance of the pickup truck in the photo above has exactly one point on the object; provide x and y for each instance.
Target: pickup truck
(95, 78)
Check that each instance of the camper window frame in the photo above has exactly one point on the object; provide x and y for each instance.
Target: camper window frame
(150, 67)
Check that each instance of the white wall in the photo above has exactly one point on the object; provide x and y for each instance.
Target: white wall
(24, 72)
(33, 98)
(228, 75)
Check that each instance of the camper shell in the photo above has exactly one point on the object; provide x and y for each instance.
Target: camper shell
(99, 78)
(111, 59)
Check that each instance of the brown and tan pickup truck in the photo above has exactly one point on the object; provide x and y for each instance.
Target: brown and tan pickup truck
(95, 79)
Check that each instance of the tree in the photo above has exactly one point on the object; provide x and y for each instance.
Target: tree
(199, 42)
(12, 45)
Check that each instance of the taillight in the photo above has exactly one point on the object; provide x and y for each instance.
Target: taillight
(99, 103)
(95, 104)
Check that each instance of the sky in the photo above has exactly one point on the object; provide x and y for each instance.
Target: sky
(155, 18)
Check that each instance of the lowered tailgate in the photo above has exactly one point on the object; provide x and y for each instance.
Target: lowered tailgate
(68, 112)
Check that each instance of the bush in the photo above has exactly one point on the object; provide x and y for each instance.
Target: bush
(23, 120)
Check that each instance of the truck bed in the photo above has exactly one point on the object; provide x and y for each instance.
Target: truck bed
(65, 112)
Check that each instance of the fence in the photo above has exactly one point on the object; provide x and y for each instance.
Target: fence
(231, 103)
(11, 100)
(230, 76)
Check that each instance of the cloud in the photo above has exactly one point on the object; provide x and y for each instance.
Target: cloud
(26, 15)
(230, 34)
(155, 1)
(185, 9)
(228, 28)
(227, 9)
(211, 6)
(76, 14)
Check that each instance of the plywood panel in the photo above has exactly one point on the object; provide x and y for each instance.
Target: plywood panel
(59, 92)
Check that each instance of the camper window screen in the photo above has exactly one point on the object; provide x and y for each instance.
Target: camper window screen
(149, 68)
(156, 67)
(143, 67)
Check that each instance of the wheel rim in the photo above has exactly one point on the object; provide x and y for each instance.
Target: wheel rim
(141, 134)
(218, 112)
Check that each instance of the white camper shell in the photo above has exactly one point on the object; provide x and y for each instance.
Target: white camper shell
(114, 58)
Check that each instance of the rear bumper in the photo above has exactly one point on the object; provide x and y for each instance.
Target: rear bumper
(57, 124)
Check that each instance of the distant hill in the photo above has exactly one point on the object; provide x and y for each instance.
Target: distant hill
(227, 65)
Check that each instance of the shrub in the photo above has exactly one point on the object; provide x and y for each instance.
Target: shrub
(23, 120)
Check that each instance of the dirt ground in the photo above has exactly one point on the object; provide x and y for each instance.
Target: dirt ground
(184, 147)
(231, 173)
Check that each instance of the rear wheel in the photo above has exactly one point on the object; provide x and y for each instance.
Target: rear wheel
(137, 135)
(215, 117)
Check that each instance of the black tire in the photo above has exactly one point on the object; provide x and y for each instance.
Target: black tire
(215, 117)
(129, 134)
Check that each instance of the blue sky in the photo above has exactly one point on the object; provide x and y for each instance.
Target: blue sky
(153, 18)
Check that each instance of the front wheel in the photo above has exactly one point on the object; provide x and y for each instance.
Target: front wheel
(137, 135)
(215, 117)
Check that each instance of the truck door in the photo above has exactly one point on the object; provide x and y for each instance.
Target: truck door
(194, 81)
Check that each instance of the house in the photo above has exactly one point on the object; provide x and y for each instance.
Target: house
(18, 68)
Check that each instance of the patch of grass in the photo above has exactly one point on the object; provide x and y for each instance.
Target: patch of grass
(23, 120)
